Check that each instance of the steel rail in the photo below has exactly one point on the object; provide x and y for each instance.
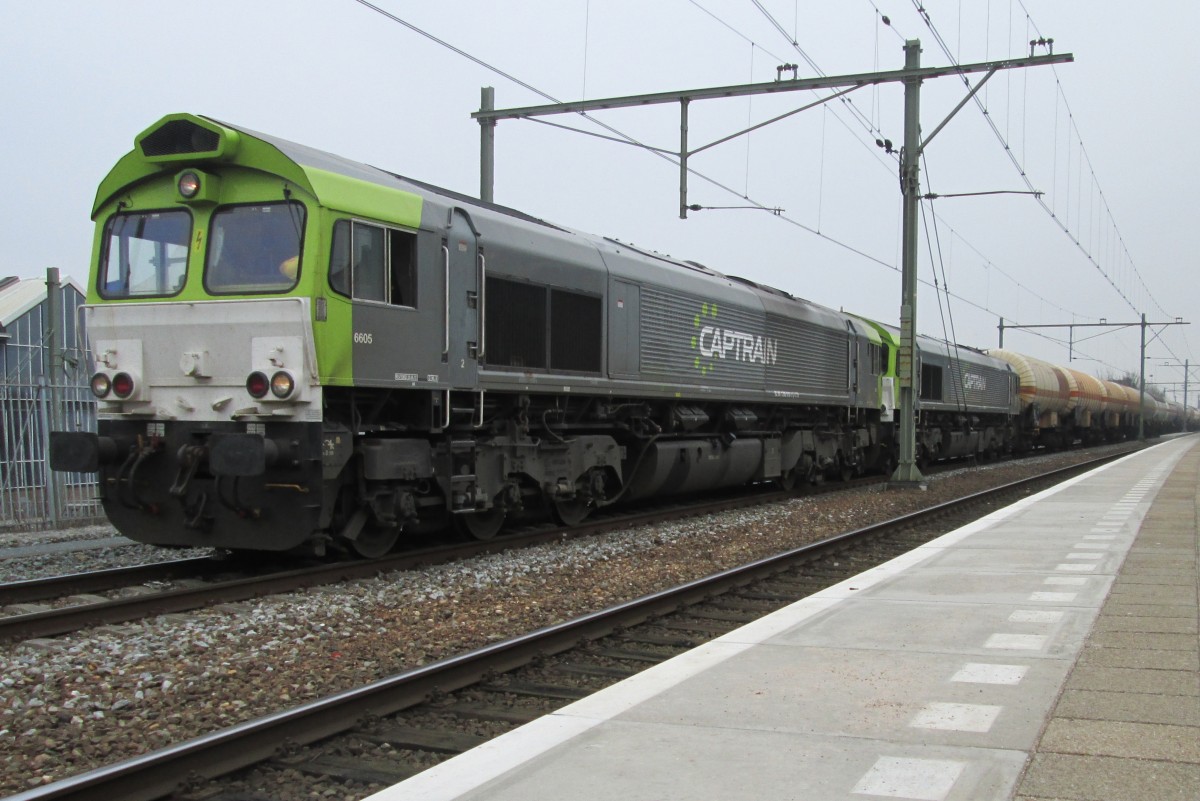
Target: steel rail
(73, 618)
(162, 772)
(41, 589)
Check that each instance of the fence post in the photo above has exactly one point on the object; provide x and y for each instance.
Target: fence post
(52, 326)
(48, 477)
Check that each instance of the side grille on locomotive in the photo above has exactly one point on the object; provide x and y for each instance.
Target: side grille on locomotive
(576, 333)
(516, 324)
(530, 326)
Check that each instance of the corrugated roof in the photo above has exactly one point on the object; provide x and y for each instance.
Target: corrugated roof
(18, 297)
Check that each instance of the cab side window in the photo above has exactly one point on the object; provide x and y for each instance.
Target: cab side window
(368, 255)
(374, 263)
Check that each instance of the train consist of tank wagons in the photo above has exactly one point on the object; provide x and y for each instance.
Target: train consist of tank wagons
(1060, 406)
(297, 352)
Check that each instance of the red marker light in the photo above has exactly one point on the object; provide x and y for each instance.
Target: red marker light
(123, 385)
(257, 384)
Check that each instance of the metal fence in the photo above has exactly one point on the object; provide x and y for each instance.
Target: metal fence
(31, 495)
(32, 349)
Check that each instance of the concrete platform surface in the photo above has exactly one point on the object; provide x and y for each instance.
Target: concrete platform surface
(1047, 651)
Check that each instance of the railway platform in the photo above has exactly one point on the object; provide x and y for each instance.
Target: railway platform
(1046, 651)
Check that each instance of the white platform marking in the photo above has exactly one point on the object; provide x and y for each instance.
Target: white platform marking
(1017, 642)
(1085, 556)
(956, 717)
(1055, 597)
(920, 779)
(1094, 546)
(1099, 536)
(1066, 581)
(983, 673)
(1036, 615)
(1076, 568)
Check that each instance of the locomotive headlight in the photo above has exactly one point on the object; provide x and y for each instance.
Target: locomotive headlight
(282, 384)
(196, 187)
(257, 384)
(123, 385)
(189, 184)
(101, 385)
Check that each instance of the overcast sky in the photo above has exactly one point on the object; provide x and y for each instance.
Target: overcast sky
(81, 79)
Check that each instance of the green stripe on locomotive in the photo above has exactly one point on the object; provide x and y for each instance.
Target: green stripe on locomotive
(889, 340)
(252, 168)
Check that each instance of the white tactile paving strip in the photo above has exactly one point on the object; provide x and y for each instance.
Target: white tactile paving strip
(956, 717)
(926, 678)
(1017, 642)
(1053, 597)
(984, 673)
(921, 779)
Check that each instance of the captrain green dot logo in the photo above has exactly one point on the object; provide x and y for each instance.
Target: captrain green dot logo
(707, 310)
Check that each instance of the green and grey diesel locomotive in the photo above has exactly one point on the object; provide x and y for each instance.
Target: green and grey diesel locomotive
(298, 352)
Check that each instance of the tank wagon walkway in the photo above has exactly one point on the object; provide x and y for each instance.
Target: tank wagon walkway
(1047, 651)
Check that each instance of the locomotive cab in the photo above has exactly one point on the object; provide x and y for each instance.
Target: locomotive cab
(209, 400)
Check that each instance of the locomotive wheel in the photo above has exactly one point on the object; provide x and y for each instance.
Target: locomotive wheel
(845, 469)
(570, 512)
(375, 541)
(788, 481)
(480, 525)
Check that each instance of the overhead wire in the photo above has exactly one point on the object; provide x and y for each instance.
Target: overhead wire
(866, 123)
(457, 50)
(1103, 206)
(749, 124)
(623, 137)
(854, 110)
(1112, 240)
(1084, 155)
(886, 20)
(951, 336)
(1059, 220)
(924, 15)
(661, 153)
(870, 125)
(736, 32)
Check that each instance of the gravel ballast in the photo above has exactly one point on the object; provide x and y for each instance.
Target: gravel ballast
(58, 561)
(89, 698)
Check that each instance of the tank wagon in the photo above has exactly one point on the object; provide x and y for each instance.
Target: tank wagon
(298, 352)
(1060, 406)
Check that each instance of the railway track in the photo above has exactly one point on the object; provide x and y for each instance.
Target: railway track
(93, 611)
(505, 684)
(53, 587)
(259, 580)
